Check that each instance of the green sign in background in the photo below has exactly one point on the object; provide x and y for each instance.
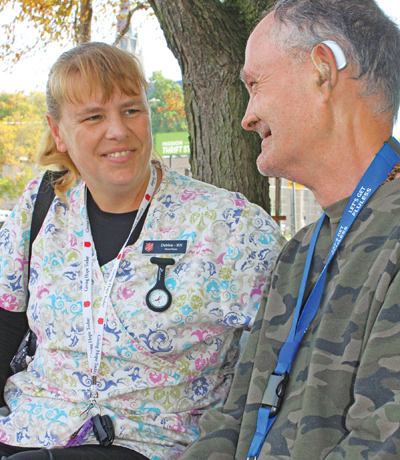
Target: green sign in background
(168, 144)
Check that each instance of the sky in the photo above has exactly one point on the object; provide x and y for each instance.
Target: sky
(31, 73)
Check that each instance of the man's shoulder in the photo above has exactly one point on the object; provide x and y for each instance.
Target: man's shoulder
(300, 239)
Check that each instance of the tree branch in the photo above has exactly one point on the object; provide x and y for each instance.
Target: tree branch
(131, 12)
(85, 22)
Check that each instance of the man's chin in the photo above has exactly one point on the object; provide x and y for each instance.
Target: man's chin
(263, 165)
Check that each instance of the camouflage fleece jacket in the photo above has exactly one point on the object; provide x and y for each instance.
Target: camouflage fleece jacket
(343, 397)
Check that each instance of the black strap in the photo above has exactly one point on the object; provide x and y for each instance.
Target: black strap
(43, 202)
(45, 197)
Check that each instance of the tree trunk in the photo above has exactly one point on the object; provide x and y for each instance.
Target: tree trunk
(208, 38)
(84, 31)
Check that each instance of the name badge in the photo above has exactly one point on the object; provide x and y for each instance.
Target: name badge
(164, 247)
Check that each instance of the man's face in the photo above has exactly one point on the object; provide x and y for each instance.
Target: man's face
(283, 105)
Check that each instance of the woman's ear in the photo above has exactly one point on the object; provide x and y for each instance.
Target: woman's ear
(55, 131)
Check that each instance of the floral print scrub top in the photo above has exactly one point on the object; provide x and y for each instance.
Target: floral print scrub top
(159, 371)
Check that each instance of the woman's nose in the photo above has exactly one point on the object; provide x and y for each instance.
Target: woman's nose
(117, 129)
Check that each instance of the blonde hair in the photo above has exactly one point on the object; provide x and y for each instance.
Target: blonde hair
(100, 66)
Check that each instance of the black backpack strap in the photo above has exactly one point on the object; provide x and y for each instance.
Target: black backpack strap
(45, 197)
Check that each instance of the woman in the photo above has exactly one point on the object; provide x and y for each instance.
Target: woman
(141, 279)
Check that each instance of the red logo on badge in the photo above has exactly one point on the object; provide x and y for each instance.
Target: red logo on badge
(100, 320)
(149, 247)
(147, 196)
(87, 244)
(86, 304)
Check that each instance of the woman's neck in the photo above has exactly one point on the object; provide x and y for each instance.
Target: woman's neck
(123, 200)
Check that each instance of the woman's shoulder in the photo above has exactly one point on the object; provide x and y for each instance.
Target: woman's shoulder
(27, 200)
(233, 207)
(33, 186)
(190, 189)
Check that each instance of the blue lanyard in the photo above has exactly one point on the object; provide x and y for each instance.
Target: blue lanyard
(272, 400)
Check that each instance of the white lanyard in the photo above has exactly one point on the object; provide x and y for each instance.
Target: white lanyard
(94, 336)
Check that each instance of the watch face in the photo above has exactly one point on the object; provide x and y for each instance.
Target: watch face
(158, 298)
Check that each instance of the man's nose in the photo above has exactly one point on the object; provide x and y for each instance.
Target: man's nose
(250, 119)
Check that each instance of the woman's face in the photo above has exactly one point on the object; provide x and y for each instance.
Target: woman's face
(110, 143)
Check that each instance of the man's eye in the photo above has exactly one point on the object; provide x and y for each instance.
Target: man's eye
(131, 111)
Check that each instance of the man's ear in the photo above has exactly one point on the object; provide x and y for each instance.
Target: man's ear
(325, 63)
(55, 131)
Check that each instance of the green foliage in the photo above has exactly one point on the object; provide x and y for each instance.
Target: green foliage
(12, 186)
(22, 119)
(18, 107)
(167, 105)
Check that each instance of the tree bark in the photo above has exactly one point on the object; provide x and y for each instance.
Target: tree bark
(209, 38)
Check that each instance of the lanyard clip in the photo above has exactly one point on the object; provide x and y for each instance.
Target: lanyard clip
(273, 395)
(92, 405)
(94, 394)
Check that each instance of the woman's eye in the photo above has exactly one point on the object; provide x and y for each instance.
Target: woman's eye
(92, 118)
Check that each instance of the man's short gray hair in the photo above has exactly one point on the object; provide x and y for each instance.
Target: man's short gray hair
(370, 40)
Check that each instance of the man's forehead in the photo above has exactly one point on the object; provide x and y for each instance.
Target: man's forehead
(263, 30)
(259, 46)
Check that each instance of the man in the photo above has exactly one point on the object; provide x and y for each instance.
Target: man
(324, 111)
